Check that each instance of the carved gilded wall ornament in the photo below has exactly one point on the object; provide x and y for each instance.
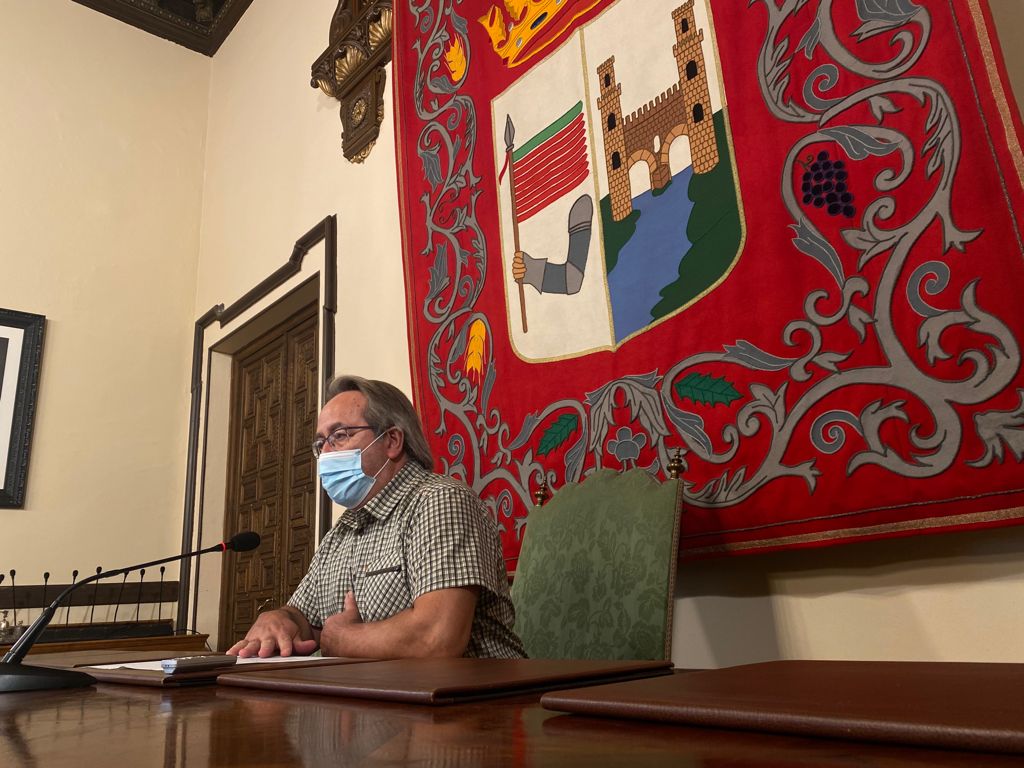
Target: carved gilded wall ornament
(352, 71)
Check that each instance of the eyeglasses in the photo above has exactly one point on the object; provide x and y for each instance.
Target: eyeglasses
(336, 439)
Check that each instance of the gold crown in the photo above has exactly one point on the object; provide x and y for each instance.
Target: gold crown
(529, 22)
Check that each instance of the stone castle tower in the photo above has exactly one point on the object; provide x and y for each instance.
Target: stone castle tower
(646, 134)
(613, 128)
(694, 81)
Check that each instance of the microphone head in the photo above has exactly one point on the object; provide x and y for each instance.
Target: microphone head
(243, 542)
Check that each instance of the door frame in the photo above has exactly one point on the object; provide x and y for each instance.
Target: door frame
(217, 334)
(254, 344)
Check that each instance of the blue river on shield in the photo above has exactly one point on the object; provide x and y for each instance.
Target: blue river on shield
(650, 258)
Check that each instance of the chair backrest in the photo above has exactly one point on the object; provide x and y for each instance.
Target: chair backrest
(596, 572)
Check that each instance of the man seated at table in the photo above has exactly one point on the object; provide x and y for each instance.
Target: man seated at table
(413, 567)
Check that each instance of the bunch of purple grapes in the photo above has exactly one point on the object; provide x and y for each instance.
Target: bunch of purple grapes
(824, 186)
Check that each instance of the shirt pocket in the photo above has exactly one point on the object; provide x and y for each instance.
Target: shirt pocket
(382, 589)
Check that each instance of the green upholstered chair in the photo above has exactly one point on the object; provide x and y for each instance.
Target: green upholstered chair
(596, 572)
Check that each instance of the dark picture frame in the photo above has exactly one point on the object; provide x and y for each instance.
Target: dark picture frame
(21, 352)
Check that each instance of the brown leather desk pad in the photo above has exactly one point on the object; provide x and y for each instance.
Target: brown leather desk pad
(976, 706)
(444, 681)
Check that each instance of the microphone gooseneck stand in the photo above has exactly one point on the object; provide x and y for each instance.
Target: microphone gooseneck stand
(15, 676)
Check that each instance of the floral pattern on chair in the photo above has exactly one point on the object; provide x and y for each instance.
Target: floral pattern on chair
(596, 573)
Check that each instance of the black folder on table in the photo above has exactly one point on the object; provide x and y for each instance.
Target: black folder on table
(937, 704)
(444, 681)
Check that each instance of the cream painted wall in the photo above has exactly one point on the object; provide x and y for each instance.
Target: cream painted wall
(274, 168)
(101, 151)
(1008, 16)
(951, 597)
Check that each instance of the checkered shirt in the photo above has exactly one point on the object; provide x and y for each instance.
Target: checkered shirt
(420, 533)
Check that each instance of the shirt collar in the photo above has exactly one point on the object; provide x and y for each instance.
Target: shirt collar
(388, 498)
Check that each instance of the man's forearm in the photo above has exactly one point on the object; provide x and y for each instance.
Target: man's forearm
(439, 624)
(402, 635)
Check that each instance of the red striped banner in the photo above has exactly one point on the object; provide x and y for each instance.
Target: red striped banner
(552, 163)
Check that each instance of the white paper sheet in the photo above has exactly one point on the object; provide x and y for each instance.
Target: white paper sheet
(155, 665)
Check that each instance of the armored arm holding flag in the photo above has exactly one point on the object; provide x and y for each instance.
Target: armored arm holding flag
(567, 278)
(544, 169)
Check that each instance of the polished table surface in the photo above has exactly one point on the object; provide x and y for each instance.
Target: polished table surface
(116, 725)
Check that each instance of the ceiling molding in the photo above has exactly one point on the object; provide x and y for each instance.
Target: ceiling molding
(199, 25)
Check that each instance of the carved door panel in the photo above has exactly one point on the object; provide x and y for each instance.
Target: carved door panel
(272, 480)
(301, 484)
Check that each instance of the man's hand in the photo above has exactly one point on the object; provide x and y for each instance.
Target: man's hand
(283, 631)
(336, 626)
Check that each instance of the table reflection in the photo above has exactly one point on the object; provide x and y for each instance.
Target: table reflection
(137, 726)
(360, 732)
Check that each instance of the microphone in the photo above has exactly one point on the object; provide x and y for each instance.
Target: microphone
(15, 676)
(241, 542)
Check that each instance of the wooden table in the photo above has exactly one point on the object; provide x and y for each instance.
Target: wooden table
(130, 726)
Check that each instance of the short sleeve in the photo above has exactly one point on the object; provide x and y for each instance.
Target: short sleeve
(451, 542)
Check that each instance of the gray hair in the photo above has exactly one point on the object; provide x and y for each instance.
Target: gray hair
(387, 407)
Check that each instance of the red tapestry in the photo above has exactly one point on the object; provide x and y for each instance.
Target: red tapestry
(777, 235)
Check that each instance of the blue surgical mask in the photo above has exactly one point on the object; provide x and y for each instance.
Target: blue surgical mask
(341, 474)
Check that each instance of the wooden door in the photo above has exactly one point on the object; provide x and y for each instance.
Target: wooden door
(272, 482)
